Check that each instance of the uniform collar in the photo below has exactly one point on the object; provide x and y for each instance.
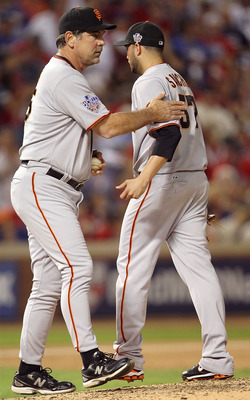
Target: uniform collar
(64, 59)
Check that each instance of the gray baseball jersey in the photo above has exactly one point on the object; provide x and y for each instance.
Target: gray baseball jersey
(58, 123)
(166, 79)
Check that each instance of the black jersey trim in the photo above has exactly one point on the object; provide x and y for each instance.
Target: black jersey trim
(64, 59)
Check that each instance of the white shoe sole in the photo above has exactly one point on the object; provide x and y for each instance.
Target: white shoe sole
(206, 376)
(29, 390)
(125, 369)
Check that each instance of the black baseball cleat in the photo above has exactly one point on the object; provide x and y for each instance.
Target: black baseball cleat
(104, 368)
(40, 382)
(198, 373)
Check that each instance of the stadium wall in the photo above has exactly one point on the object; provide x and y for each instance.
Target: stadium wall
(168, 294)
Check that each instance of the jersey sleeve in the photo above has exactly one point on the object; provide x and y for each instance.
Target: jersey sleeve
(75, 98)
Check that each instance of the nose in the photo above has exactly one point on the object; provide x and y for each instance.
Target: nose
(102, 41)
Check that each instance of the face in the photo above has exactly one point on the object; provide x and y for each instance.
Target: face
(132, 60)
(88, 48)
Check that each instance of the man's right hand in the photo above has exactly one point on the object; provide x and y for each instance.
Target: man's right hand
(164, 111)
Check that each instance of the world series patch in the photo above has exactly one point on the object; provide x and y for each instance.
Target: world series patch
(91, 103)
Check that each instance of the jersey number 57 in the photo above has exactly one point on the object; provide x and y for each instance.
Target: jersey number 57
(189, 100)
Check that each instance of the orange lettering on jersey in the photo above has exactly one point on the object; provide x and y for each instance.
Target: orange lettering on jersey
(98, 14)
(176, 80)
(184, 83)
(171, 82)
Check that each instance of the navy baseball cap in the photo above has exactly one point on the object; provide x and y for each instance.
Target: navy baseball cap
(145, 33)
(86, 19)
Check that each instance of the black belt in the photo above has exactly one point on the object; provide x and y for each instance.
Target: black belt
(52, 172)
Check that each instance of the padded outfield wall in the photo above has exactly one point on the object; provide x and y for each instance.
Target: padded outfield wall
(168, 294)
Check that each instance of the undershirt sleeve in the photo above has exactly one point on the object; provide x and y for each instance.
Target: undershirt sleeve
(167, 139)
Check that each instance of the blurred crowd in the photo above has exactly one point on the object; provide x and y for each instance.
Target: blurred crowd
(207, 41)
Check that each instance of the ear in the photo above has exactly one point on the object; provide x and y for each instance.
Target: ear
(138, 49)
(70, 39)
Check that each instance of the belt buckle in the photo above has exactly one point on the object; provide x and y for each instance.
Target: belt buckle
(78, 185)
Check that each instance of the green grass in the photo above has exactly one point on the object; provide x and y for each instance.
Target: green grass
(166, 329)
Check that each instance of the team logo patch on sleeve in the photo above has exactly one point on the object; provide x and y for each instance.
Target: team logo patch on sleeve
(91, 103)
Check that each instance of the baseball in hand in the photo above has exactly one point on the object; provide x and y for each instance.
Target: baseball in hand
(95, 164)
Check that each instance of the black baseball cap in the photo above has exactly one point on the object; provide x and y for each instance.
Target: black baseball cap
(83, 19)
(145, 33)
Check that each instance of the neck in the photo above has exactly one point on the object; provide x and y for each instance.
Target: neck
(149, 62)
(65, 53)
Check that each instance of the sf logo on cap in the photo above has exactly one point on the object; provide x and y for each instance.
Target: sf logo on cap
(137, 37)
(98, 14)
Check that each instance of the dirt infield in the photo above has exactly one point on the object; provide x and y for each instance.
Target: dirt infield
(177, 355)
(233, 389)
